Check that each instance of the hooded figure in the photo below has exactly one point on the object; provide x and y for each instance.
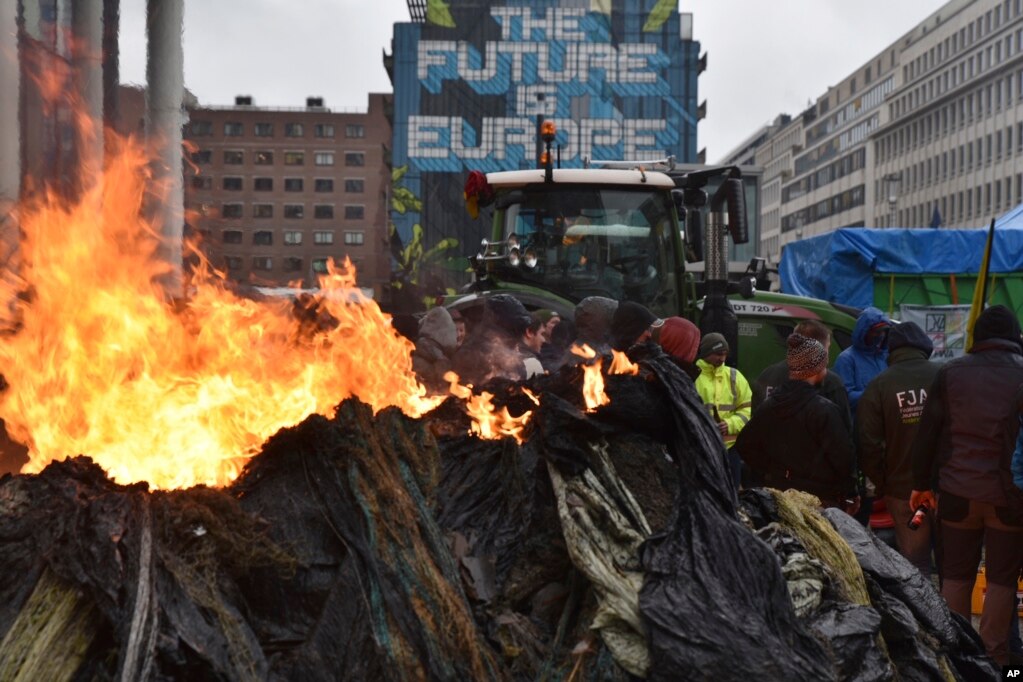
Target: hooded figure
(593, 317)
(867, 356)
(491, 350)
(435, 344)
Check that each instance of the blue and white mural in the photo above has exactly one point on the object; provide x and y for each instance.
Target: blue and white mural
(617, 77)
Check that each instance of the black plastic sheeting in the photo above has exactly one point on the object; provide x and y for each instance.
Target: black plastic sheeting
(912, 609)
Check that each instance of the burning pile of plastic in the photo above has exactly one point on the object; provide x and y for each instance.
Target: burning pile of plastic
(608, 544)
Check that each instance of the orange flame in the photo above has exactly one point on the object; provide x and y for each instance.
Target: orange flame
(100, 363)
(621, 364)
(489, 423)
(593, 379)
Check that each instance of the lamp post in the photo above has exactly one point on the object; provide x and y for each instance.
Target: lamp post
(891, 183)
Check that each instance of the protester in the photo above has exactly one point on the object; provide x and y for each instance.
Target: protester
(798, 439)
(887, 419)
(858, 365)
(552, 355)
(550, 320)
(832, 387)
(867, 357)
(492, 348)
(680, 339)
(965, 441)
(532, 342)
(460, 328)
(593, 316)
(726, 393)
(431, 358)
(632, 323)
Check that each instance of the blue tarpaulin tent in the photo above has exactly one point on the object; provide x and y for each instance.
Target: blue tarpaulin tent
(841, 266)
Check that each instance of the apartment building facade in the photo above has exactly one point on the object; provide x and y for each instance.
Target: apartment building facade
(276, 193)
(927, 132)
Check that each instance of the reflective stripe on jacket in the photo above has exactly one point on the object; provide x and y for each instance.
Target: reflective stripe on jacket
(726, 389)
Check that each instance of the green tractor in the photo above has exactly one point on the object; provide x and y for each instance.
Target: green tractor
(560, 235)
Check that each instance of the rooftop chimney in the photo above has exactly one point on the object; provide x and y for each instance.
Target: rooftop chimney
(243, 100)
(311, 102)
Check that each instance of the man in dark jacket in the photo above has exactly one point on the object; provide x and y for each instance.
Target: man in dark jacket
(798, 439)
(966, 437)
(887, 420)
(831, 387)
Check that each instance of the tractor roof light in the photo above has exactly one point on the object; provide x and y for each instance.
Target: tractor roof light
(547, 131)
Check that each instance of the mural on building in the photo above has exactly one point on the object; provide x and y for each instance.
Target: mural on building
(472, 82)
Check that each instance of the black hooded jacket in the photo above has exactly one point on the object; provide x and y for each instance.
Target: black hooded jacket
(798, 439)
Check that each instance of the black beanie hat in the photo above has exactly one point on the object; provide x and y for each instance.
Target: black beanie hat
(909, 334)
(996, 322)
(712, 343)
(508, 314)
(630, 320)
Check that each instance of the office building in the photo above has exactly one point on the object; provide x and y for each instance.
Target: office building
(277, 192)
(928, 132)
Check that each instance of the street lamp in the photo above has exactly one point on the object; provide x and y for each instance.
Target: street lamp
(891, 188)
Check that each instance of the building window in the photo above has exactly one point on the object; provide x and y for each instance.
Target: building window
(355, 186)
(200, 128)
(263, 263)
(264, 158)
(292, 237)
(263, 184)
(324, 158)
(323, 211)
(232, 236)
(294, 210)
(233, 262)
(232, 184)
(324, 130)
(233, 129)
(262, 210)
(202, 182)
(294, 158)
(202, 157)
(355, 212)
(231, 210)
(323, 238)
(355, 238)
(293, 130)
(320, 265)
(292, 264)
(263, 238)
(355, 130)
(355, 159)
(293, 184)
(233, 157)
(264, 130)
(324, 185)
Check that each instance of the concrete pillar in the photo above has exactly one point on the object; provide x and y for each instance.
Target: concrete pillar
(87, 83)
(165, 78)
(10, 128)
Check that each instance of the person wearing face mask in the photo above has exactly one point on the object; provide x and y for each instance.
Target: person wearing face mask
(867, 357)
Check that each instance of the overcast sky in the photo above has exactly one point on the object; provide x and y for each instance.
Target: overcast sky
(765, 57)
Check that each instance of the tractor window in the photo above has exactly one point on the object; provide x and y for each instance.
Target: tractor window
(592, 242)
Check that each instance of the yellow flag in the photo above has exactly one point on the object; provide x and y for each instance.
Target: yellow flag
(659, 14)
(980, 290)
(439, 14)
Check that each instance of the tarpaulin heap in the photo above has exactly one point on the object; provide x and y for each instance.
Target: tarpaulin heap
(608, 544)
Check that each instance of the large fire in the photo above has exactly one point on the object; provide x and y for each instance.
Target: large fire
(99, 362)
